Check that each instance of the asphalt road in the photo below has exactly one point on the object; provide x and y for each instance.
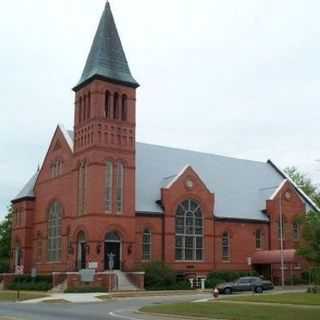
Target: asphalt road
(108, 310)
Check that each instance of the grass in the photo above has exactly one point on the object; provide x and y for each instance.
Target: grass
(24, 295)
(231, 311)
(284, 298)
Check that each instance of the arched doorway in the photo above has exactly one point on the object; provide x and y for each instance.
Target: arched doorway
(18, 255)
(112, 251)
(82, 251)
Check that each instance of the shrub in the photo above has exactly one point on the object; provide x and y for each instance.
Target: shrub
(4, 265)
(30, 286)
(26, 282)
(159, 276)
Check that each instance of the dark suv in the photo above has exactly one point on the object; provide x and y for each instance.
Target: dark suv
(255, 284)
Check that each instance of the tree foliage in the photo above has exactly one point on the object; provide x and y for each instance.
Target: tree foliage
(304, 183)
(310, 247)
(5, 241)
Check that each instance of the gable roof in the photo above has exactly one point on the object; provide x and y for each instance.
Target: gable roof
(310, 202)
(241, 187)
(27, 190)
(107, 59)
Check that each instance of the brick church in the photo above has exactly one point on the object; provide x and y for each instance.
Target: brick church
(99, 192)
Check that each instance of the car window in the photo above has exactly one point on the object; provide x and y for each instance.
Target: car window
(243, 280)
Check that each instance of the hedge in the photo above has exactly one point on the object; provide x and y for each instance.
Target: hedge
(26, 282)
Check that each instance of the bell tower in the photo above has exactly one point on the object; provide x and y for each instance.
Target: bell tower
(106, 93)
(104, 124)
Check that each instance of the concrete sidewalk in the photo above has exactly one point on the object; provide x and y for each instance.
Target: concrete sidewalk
(70, 297)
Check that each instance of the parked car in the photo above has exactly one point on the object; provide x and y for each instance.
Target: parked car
(255, 284)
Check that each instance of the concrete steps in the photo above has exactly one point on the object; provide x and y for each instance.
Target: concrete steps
(123, 282)
(60, 288)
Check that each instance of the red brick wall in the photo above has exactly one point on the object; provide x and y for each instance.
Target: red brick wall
(291, 209)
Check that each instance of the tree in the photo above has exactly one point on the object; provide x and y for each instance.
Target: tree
(310, 247)
(5, 241)
(304, 183)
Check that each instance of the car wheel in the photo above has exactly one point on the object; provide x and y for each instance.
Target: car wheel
(227, 291)
(258, 290)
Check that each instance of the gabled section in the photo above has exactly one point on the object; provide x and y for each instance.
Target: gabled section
(107, 60)
(306, 199)
(191, 177)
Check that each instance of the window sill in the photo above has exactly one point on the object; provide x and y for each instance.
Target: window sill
(226, 261)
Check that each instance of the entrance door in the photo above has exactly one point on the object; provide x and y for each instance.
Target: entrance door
(83, 256)
(82, 252)
(112, 251)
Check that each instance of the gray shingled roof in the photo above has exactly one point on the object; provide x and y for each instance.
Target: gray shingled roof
(241, 187)
(107, 58)
(27, 190)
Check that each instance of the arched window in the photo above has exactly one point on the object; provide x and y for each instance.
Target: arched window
(54, 232)
(189, 231)
(146, 246)
(120, 186)
(112, 237)
(89, 106)
(283, 226)
(18, 254)
(84, 108)
(109, 183)
(124, 109)
(259, 239)
(80, 110)
(226, 246)
(82, 188)
(116, 107)
(107, 105)
(296, 231)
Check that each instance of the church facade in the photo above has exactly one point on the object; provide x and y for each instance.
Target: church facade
(99, 193)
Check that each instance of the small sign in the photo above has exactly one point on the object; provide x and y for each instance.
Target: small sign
(19, 270)
(33, 273)
(93, 265)
(87, 275)
(249, 261)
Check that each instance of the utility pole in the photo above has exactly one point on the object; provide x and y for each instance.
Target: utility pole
(281, 241)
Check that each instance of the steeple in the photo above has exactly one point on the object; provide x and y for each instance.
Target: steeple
(107, 60)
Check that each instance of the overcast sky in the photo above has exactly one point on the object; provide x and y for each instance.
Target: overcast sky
(238, 78)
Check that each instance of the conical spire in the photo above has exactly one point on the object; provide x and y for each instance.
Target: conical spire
(107, 59)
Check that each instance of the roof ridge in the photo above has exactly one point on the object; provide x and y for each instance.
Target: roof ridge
(200, 152)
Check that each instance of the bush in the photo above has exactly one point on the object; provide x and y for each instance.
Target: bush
(4, 265)
(158, 276)
(85, 290)
(294, 280)
(30, 286)
(26, 282)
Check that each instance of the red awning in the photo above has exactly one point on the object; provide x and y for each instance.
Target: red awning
(274, 256)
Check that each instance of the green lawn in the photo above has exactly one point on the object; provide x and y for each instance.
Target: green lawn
(232, 311)
(286, 298)
(24, 295)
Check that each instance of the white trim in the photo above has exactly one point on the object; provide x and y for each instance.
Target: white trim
(176, 178)
(66, 136)
(278, 189)
(294, 184)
